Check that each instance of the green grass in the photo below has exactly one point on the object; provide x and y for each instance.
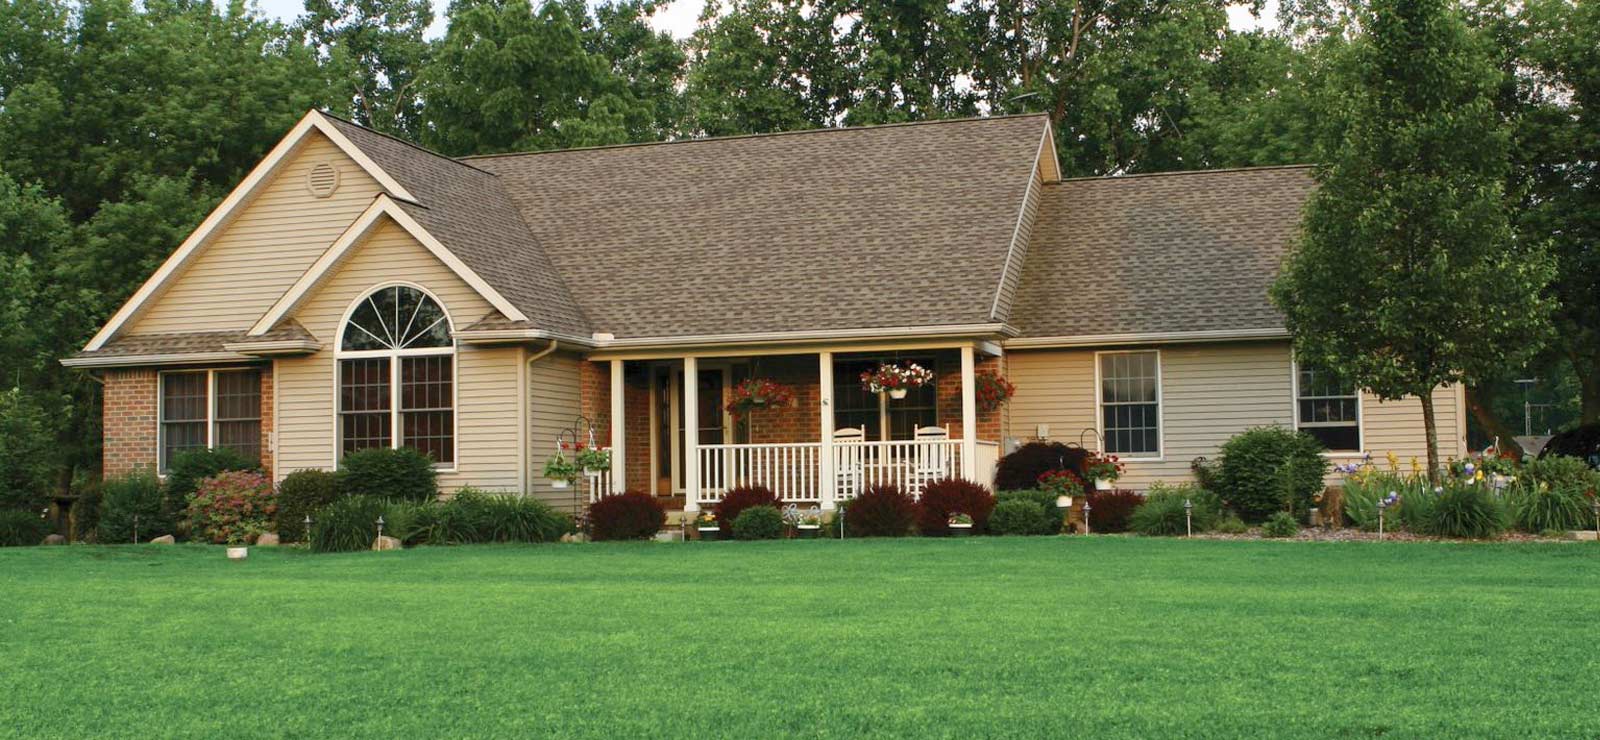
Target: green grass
(979, 637)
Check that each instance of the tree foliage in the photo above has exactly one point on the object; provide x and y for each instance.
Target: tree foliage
(1407, 275)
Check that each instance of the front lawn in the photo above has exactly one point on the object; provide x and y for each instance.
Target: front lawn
(980, 637)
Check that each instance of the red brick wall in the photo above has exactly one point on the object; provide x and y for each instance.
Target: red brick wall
(129, 419)
(801, 420)
(268, 442)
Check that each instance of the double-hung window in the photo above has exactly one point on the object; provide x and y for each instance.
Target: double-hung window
(397, 375)
(210, 409)
(1329, 409)
(1130, 402)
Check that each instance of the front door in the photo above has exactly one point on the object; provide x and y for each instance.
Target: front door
(669, 443)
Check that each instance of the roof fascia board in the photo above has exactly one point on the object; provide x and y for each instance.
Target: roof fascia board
(382, 206)
(1172, 337)
(1016, 228)
(223, 214)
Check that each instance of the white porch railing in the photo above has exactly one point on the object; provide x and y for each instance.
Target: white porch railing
(599, 483)
(792, 470)
(794, 473)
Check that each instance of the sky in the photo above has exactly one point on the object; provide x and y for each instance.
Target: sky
(678, 17)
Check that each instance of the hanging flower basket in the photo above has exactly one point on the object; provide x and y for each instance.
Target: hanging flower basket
(993, 391)
(896, 380)
(561, 471)
(1103, 470)
(757, 393)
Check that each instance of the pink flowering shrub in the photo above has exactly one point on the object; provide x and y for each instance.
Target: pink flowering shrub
(232, 507)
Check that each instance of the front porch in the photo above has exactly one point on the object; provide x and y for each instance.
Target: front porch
(830, 442)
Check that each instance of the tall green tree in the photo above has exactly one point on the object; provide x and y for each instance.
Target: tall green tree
(374, 49)
(907, 61)
(509, 76)
(758, 67)
(1115, 77)
(1407, 275)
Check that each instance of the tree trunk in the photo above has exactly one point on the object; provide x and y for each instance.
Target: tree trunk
(1432, 433)
(1589, 389)
(1480, 401)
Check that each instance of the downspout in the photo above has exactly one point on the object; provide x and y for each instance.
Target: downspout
(526, 453)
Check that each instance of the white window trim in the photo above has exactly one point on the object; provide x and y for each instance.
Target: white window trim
(394, 356)
(1294, 413)
(1161, 409)
(211, 409)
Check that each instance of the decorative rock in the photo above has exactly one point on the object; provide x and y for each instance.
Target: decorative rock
(385, 542)
(54, 539)
(1582, 535)
(267, 540)
(165, 539)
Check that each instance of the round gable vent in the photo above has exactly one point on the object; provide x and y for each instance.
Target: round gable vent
(323, 179)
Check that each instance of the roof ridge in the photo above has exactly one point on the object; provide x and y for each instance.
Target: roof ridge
(763, 135)
(1169, 173)
(411, 144)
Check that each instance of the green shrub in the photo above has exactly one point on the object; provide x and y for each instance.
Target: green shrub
(1162, 513)
(1469, 511)
(1536, 508)
(22, 528)
(28, 454)
(1552, 493)
(132, 504)
(389, 473)
(299, 494)
(349, 524)
(1022, 516)
(883, 510)
(739, 498)
(1268, 469)
(1043, 518)
(190, 467)
(232, 507)
(758, 523)
(472, 516)
(1280, 525)
(1560, 471)
(1231, 524)
(626, 516)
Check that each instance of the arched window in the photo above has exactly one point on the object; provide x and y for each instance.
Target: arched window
(397, 371)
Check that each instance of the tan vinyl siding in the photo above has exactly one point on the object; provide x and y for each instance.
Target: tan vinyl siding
(1209, 392)
(553, 383)
(267, 246)
(488, 437)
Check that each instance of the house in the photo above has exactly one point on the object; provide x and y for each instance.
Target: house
(357, 291)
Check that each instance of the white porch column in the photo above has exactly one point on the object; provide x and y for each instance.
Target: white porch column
(969, 415)
(825, 428)
(691, 434)
(619, 430)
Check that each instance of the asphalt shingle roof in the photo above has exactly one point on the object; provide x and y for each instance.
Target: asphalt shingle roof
(1176, 252)
(886, 226)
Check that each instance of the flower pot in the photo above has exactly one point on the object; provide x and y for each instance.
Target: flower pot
(1063, 502)
(1102, 485)
(709, 534)
(807, 531)
(560, 485)
(897, 393)
(238, 553)
(960, 530)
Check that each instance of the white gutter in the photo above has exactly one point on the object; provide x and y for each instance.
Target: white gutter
(1170, 337)
(197, 358)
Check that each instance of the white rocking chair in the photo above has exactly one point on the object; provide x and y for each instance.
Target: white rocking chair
(849, 463)
(932, 461)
